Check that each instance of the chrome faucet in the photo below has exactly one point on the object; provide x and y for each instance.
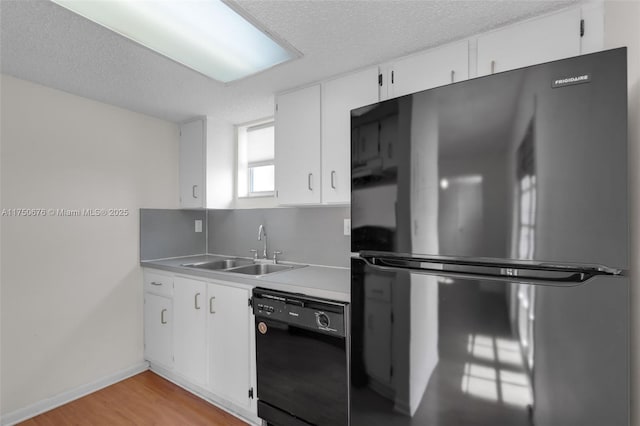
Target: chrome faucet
(263, 233)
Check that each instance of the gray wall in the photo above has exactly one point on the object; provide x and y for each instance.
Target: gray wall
(171, 233)
(307, 235)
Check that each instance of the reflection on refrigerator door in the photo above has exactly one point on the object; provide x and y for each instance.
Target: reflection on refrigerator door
(430, 350)
(437, 351)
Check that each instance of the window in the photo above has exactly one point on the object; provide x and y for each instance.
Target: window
(256, 169)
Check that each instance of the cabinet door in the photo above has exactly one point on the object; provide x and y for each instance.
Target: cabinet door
(540, 40)
(230, 361)
(192, 164)
(592, 13)
(384, 76)
(158, 325)
(297, 147)
(433, 68)
(189, 342)
(339, 97)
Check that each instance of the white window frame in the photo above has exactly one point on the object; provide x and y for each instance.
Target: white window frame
(244, 168)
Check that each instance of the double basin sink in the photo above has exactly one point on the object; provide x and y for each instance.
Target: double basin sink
(242, 266)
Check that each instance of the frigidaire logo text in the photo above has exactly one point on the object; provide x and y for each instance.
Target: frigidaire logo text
(578, 79)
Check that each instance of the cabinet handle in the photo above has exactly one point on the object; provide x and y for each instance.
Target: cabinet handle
(193, 191)
(390, 151)
(162, 321)
(333, 179)
(155, 283)
(195, 301)
(453, 75)
(493, 67)
(310, 181)
(211, 305)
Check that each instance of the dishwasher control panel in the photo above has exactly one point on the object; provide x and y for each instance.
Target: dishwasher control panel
(298, 310)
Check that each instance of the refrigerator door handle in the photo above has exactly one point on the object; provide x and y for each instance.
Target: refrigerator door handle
(486, 269)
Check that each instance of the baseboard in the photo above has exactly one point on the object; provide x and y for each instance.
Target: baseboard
(70, 395)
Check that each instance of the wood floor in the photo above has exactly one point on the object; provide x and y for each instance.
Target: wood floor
(144, 399)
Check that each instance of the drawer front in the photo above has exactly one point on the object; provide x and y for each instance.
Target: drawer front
(158, 283)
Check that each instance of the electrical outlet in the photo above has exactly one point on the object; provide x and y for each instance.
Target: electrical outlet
(198, 226)
(347, 227)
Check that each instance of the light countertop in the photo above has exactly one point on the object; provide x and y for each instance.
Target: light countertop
(318, 281)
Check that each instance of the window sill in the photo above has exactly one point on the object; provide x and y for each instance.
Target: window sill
(253, 197)
(256, 202)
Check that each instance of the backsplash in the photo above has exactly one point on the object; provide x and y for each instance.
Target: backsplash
(307, 235)
(171, 233)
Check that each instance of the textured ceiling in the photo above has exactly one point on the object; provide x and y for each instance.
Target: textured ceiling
(44, 43)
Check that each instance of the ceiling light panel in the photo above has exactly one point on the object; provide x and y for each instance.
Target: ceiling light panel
(205, 35)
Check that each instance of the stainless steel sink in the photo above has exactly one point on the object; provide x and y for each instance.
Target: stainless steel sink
(219, 264)
(241, 266)
(263, 268)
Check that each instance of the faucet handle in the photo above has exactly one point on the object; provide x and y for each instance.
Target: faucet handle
(255, 253)
(275, 256)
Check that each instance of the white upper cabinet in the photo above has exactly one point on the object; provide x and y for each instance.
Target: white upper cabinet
(313, 152)
(339, 97)
(592, 39)
(193, 164)
(297, 147)
(433, 68)
(189, 337)
(539, 40)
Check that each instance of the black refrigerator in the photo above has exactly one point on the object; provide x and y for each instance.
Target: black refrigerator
(490, 251)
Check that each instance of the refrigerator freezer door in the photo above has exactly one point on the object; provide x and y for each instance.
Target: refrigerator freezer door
(510, 166)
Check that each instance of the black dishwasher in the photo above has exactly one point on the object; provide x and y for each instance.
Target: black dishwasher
(302, 359)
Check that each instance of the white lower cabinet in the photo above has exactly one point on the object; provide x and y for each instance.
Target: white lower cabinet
(202, 332)
(158, 324)
(189, 331)
(230, 337)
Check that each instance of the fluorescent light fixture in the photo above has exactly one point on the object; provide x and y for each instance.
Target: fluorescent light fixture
(208, 36)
